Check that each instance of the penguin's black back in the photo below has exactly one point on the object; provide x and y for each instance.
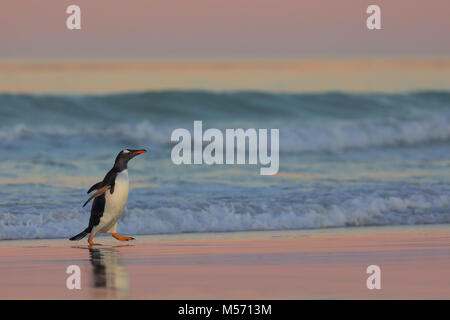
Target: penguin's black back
(98, 207)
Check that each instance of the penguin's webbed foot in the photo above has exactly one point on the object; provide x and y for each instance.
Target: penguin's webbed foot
(91, 241)
(121, 238)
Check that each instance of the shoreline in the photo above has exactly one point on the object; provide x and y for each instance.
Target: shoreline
(400, 227)
(290, 264)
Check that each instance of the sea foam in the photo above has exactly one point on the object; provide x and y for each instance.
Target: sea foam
(359, 211)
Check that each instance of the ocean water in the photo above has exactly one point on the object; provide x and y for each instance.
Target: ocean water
(345, 160)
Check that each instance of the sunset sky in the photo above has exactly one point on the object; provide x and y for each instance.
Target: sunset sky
(223, 29)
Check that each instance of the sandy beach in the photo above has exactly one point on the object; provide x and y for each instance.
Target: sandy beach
(306, 264)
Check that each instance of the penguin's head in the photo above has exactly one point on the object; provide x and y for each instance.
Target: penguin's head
(126, 155)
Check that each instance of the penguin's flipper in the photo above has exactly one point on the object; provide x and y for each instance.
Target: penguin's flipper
(96, 194)
(95, 186)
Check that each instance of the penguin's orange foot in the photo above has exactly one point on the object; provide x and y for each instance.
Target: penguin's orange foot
(94, 244)
(91, 241)
(121, 238)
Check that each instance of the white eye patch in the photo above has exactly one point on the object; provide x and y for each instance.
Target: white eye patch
(126, 151)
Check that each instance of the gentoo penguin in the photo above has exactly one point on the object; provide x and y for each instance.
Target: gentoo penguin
(109, 199)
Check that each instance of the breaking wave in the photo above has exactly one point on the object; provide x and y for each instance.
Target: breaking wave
(307, 122)
(325, 137)
(362, 210)
(74, 139)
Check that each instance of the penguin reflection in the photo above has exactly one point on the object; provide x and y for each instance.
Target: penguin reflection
(108, 271)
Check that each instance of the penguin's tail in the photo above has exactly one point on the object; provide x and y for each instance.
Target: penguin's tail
(81, 235)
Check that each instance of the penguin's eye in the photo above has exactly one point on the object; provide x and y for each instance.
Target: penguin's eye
(126, 151)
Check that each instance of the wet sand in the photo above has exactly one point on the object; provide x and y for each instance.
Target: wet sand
(311, 264)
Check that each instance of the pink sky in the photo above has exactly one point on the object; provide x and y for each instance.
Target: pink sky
(223, 28)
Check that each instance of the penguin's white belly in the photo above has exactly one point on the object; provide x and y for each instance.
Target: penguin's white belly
(115, 203)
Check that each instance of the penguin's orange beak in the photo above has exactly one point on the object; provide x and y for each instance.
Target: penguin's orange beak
(139, 152)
